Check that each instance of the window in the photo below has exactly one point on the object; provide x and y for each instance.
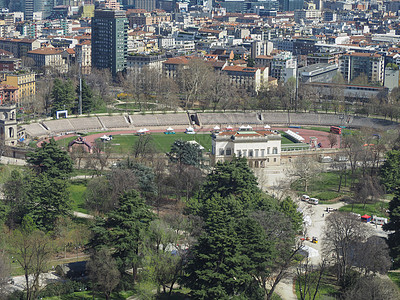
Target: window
(268, 150)
(262, 152)
(228, 151)
(239, 153)
(250, 153)
(244, 153)
(275, 150)
(274, 159)
(256, 153)
(221, 151)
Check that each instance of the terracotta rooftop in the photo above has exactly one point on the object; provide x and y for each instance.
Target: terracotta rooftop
(46, 51)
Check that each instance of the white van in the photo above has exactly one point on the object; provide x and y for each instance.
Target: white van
(379, 220)
(305, 198)
(313, 201)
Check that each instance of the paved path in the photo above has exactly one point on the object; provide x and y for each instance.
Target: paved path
(12, 161)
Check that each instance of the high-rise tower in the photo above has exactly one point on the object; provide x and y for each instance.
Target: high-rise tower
(109, 40)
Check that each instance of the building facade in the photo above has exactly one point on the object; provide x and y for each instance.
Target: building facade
(49, 59)
(25, 83)
(354, 65)
(283, 66)
(109, 40)
(262, 148)
(83, 52)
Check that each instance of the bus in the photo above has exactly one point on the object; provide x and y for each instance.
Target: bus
(335, 129)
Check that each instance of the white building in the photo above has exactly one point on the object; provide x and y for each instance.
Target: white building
(355, 64)
(262, 148)
(283, 66)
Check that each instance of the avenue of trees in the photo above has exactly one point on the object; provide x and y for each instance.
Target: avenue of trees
(197, 86)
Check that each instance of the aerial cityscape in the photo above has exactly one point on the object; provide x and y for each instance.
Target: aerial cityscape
(199, 149)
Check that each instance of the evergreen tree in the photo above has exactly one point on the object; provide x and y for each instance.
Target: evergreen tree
(289, 208)
(50, 159)
(123, 230)
(185, 153)
(390, 171)
(394, 225)
(63, 95)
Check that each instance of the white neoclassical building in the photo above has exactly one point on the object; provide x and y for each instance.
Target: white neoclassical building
(262, 148)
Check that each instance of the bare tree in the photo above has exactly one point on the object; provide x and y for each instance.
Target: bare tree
(144, 147)
(367, 189)
(32, 250)
(304, 169)
(372, 287)
(5, 271)
(309, 278)
(103, 272)
(342, 231)
(341, 168)
(193, 79)
(332, 138)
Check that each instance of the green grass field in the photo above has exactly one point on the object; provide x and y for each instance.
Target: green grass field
(124, 143)
(89, 295)
(395, 277)
(377, 209)
(324, 187)
(77, 190)
(327, 289)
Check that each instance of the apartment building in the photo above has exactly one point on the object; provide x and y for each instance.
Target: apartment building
(83, 53)
(283, 66)
(25, 82)
(355, 64)
(49, 59)
(251, 79)
(19, 47)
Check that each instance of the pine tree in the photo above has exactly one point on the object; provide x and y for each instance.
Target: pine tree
(63, 95)
(394, 225)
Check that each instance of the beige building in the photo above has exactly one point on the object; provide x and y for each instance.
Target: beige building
(83, 52)
(25, 82)
(251, 79)
(262, 148)
(49, 59)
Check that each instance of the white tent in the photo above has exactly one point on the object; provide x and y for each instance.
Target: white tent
(141, 130)
(307, 220)
(170, 129)
(308, 251)
(248, 127)
(267, 127)
(145, 130)
(229, 127)
(217, 127)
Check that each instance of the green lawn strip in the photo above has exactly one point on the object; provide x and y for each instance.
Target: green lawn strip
(89, 295)
(395, 277)
(77, 190)
(377, 209)
(324, 187)
(327, 289)
(123, 144)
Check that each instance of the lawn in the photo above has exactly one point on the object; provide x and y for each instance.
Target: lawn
(124, 143)
(77, 190)
(324, 187)
(327, 289)
(89, 295)
(395, 277)
(377, 208)
(285, 140)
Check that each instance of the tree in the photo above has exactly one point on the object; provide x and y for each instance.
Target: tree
(394, 225)
(50, 159)
(87, 97)
(341, 168)
(372, 287)
(367, 189)
(342, 232)
(304, 169)
(309, 278)
(63, 95)
(31, 249)
(332, 138)
(123, 231)
(185, 153)
(4, 275)
(390, 171)
(15, 191)
(144, 147)
(103, 272)
(290, 209)
(193, 80)
(220, 90)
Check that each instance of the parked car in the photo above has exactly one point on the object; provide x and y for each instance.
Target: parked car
(305, 198)
(313, 201)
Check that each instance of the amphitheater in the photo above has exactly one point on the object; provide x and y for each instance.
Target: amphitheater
(201, 120)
